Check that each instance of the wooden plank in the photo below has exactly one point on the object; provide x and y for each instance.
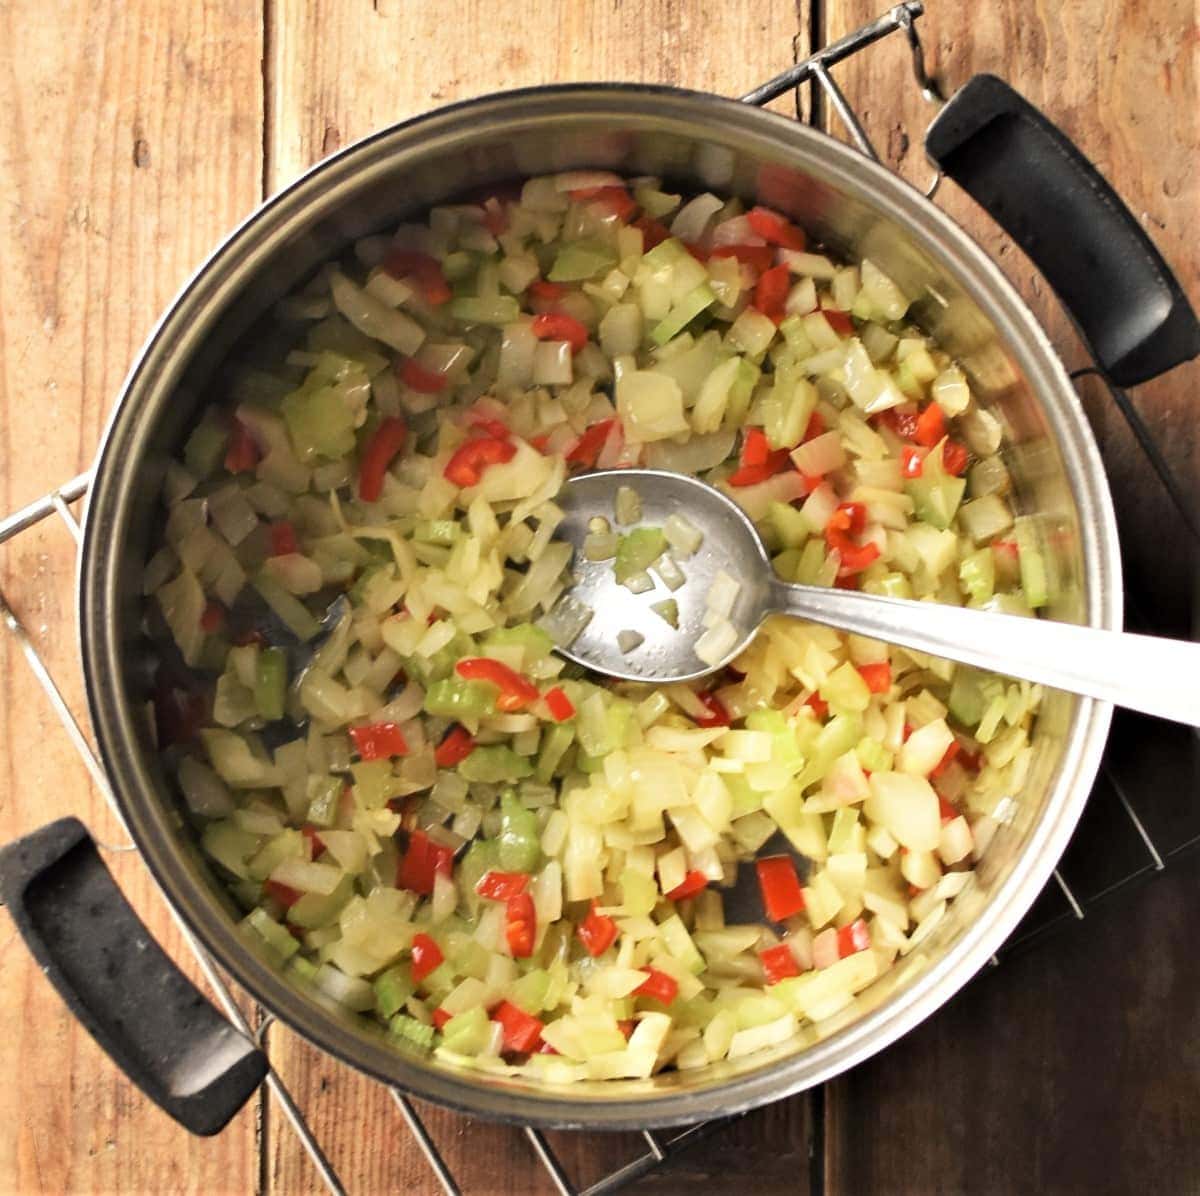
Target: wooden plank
(336, 73)
(130, 144)
(1092, 1083)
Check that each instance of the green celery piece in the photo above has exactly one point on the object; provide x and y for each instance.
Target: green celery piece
(637, 551)
(579, 261)
(277, 939)
(519, 849)
(374, 783)
(977, 575)
(314, 910)
(463, 263)
(452, 697)
(890, 585)
(440, 666)
(493, 763)
(936, 494)
(304, 968)
(529, 992)
(789, 523)
(204, 450)
(319, 420)
(785, 751)
(745, 799)
(481, 857)
(226, 842)
(410, 1030)
(358, 591)
(525, 635)
(297, 617)
(679, 944)
(440, 981)
(792, 330)
(270, 683)
(555, 742)
(393, 988)
(288, 844)
(873, 756)
(468, 957)
(323, 801)
(496, 309)
(967, 700)
(665, 254)
(841, 834)
(437, 531)
(1032, 562)
(667, 610)
(467, 1033)
(683, 313)
(639, 893)
(740, 392)
(589, 764)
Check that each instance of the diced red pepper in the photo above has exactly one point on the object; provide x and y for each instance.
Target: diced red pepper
(946, 810)
(440, 1018)
(284, 894)
(846, 581)
(500, 886)
(423, 861)
(820, 707)
(757, 256)
(654, 232)
(955, 457)
(454, 748)
(839, 321)
(213, 618)
(426, 957)
(541, 443)
(385, 443)
(557, 326)
(751, 475)
(493, 427)
(852, 938)
(781, 892)
(849, 519)
(415, 376)
(911, 461)
(283, 538)
(771, 226)
(560, 706)
(316, 844)
(696, 252)
(877, 676)
(779, 963)
(816, 427)
(771, 291)
(717, 715)
(422, 269)
(944, 763)
(616, 199)
(379, 741)
(906, 731)
(515, 691)
(693, 883)
(755, 447)
(241, 453)
(520, 928)
(659, 986)
(627, 1025)
(471, 458)
(931, 426)
(597, 932)
(549, 292)
(902, 423)
(522, 1031)
(586, 449)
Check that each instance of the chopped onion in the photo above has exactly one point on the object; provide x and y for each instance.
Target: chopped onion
(722, 595)
(716, 643)
(627, 640)
(565, 621)
(692, 219)
(639, 583)
(682, 535)
(627, 506)
(669, 572)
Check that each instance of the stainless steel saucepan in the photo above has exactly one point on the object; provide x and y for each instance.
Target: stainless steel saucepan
(1127, 305)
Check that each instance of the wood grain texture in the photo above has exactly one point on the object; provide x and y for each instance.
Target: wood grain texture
(130, 143)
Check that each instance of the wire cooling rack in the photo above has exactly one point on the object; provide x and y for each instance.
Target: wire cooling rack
(1120, 840)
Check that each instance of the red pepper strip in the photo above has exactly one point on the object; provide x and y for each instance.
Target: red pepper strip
(597, 932)
(283, 538)
(771, 291)
(541, 443)
(627, 1025)
(522, 1031)
(560, 706)
(839, 321)
(557, 326)
(779, 963)
(944, 763)
(379, 741)
(654, 232)
(910, 461)
(213, 618)
(852, 938)
(847, 581)
(415, 376)
(316, 843)
(946, 810)
(493, 427)
(241, 453)
(284, 894)
(849, 519)
(455, 748)
(386, 441)
(820, 707)
(816, 427)
(717, 715)
(902, 423)
(659, 986)
(931, 426)
(515, 692)
(781, 892)
(500, 886)
(771, 226)
(520, 926)
(699, 254)
(877, 676)
(616, 199)
(693, 883)
(424, 270)
(758, 256)
(466, 466)
(423, 860)
(540, 288)
(955, 457)
(426, 957)
(440, 1018)
(755, 447)
(587, 448)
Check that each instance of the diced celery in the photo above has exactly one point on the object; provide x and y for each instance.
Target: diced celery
(452, 697)
(845, 690)
(324, 793)
(270, 683)
(683, 313)
(410, 1030)
(319, 421)
(1032, 563)
(274, 937)
(519, 849)
(204, 449)
(639, 893)
(467, 1033)
(293, 613)
(374, 783)
(936, 494)
(480, 858)
(679, 944)
(530, 991)
(977, 575)
(789, 524)
(316, 909)
(580, 260)
(637, 551)
(555, 742)
(393, 988)
(494, 309)
(493, 763)
(873, 756)
(535, 642)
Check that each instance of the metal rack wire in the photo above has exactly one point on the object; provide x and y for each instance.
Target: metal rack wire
(1141, 856)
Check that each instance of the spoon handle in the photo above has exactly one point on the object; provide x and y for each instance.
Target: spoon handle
(1153, 674)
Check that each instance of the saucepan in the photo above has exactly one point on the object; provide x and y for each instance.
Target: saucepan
(1021, 168)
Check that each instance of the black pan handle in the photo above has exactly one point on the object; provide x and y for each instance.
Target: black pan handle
(157, 1026)
(1032, 180)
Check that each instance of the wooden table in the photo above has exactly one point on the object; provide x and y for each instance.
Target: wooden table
(135, 134)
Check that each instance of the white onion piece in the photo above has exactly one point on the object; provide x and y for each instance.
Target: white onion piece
(374, 318)
(736, 231)
(692, 219)
(716, 643)
(696, 455)
(586, 180)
